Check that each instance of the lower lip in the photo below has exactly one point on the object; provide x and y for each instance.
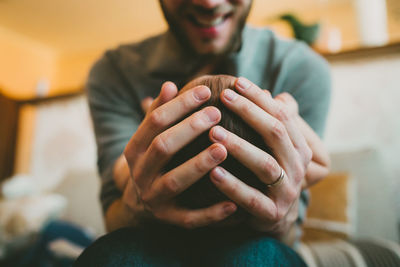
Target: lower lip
(210, 32)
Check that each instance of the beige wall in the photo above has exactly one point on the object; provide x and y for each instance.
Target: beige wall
(23, 62)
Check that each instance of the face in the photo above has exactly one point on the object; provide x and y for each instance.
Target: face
(207, 27)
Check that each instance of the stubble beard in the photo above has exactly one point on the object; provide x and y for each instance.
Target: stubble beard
(233, 45)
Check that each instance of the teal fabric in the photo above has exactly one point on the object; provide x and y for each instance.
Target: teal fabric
(124, 76)
(171, 246)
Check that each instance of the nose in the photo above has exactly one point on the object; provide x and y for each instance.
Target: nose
(209, 4)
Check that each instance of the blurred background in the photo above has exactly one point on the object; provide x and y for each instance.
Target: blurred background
(47, 147)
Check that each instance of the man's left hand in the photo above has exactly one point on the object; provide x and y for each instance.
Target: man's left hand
(274, 210)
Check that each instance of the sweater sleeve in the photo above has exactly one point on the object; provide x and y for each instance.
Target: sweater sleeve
(115, 115)
(307, 79)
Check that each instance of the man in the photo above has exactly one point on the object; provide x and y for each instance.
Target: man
(205, 36)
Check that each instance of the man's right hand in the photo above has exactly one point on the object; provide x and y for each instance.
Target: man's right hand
(152, 191)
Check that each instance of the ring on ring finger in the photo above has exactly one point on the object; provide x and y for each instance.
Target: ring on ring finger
(277, 181)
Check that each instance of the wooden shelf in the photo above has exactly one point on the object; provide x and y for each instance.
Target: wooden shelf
(364, 52)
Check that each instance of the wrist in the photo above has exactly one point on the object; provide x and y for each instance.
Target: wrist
(120, 215)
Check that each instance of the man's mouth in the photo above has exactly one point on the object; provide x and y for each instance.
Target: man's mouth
(205, 22)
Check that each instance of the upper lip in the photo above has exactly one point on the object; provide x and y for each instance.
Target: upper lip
(222, 11)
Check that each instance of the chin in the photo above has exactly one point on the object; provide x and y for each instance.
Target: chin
(215, 47)
(212, 51)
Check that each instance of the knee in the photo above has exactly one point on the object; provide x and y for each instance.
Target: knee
(109, 249)
(130, 247)
(258, 252)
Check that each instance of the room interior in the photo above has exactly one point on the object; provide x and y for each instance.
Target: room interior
(46, 135)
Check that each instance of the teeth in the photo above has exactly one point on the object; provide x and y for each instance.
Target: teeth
(209, 23)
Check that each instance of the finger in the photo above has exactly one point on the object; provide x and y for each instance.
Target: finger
(135, 146)
(160, 118)
(252, 200)
(146, 103)
(284, 110)
(251, 91)
(289, 100)
(191, 219)
(314, 173)
(263, 165)
(290, 121)
(271, 129)
(121, 173)
(319, 153)
(167, 93)
(258, 161)
(166, 144)
(182, 177)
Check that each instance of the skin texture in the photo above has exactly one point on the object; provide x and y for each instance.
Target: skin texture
(149, 193)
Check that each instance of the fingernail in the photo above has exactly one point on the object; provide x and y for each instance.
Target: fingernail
(212, 114)
(229, 209)
(218, 134)
(201, 93)
(242, 84)
(218, 175)
(217, 153)
(230, 95)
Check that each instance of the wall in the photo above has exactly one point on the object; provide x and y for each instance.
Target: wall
(23, 61)
(364, 123)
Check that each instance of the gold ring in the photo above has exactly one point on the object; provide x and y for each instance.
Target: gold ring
(278, 181)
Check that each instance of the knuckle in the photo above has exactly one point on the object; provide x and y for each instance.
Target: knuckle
(246, 108)
(157, 119)
(286, 97)
(160, 145)
(278, 130)
(267, 93)
(265, 96)
(299, 172)
(254, 203)
(233, 188)
(196, 123)
(185, 102)
(260, 94)
(136, 174)
(291, 194)
(268, 165)
(282, 113)
(280, 214)
(171, 185)
(158, 214)
(188, 222)
(129, 150)
(200, 167)
(145, 198)
(235, 144)
(291, 102)
(308, 154)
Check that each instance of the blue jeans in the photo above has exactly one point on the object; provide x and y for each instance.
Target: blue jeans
(172, 246)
